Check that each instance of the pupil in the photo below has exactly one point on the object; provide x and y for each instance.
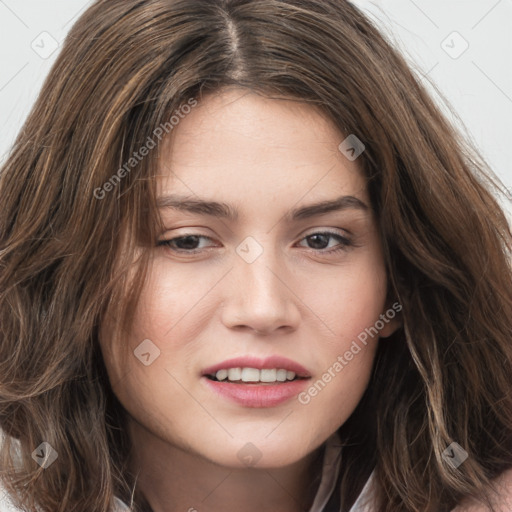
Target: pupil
(187, 242)
(315, 238)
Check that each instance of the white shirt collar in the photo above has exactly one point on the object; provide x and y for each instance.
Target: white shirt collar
(365, 501)
(330, 472)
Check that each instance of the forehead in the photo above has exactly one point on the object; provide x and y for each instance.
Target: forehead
(236, 143)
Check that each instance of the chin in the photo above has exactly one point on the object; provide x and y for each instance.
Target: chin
(252, 454)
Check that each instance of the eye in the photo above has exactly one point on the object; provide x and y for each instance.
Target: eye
(321, 241)
(187, 243)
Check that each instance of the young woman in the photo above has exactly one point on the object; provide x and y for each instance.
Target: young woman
(246, 264)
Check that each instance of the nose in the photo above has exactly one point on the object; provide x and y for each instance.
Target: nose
(260, 297)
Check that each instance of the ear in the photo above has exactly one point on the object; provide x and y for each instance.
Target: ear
(391, 318)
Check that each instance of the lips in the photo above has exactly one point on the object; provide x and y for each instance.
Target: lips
(256, 395)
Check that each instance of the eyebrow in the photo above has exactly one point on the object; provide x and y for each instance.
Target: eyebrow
(225, 211)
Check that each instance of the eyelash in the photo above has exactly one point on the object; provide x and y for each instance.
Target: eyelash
(344, 243)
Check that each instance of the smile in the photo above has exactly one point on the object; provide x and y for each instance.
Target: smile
(249, 381)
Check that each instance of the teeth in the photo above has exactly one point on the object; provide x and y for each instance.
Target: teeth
(268, 375)
(281, 375)
(221, 374)
(250, 375)
(255, 375)
(233, 374)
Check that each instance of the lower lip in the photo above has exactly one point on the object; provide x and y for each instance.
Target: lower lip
(258, 395)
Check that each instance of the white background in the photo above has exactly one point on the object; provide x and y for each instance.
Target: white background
(478, 83)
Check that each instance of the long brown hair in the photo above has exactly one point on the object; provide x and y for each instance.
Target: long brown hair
(68, 242)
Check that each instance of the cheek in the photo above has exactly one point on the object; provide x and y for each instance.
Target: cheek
(346, 360)
(334, 395)
(172, 295)
(350, 305)
(350, 300)
(171, 313)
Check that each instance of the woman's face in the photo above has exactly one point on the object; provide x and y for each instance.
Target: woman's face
(267, 280)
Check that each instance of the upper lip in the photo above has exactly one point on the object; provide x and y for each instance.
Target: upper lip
(271, 362)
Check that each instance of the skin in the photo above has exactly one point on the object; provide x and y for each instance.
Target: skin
(263, 157)
(501, 500)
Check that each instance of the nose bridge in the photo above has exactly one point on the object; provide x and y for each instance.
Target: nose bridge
(259, 297)
(260, 276)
